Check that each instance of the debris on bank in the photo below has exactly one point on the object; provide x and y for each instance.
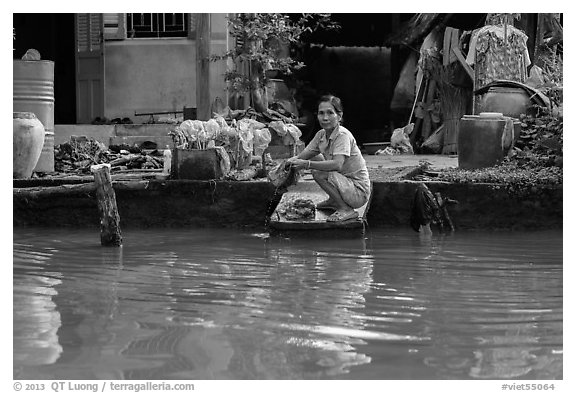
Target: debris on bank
(80, 153)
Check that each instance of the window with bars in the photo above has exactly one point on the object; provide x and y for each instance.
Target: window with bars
(156, 25)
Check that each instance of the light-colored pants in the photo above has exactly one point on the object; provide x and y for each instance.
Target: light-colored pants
(351, 194)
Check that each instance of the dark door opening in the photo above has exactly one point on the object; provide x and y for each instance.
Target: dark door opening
(53, 36)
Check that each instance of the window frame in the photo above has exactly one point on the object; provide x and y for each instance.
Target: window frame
(116, 28)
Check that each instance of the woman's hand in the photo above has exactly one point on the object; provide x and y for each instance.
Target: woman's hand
(291, 159)
(298, 163)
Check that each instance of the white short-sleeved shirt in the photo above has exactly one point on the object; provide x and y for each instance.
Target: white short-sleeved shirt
(342, 142)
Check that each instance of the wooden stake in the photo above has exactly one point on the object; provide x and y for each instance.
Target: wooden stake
(109, 218)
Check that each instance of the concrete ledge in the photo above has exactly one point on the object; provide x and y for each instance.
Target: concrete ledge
(181, 203)
(171, 203)
(481, 206)
(100, 133)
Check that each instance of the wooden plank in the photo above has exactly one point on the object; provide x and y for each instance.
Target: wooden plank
(66, 189)
(462, 61)
(78, 189)
(446, 45)
(451, 38)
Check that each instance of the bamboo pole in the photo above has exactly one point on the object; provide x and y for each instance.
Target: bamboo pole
(416, 98)
(109, 218)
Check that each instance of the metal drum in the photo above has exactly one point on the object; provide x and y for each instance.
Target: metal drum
(33, 91)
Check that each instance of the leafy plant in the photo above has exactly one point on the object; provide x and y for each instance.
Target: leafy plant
(553, 75)
(541, 140)
(262, 43)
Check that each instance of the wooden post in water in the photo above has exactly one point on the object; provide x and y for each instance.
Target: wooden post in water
(109, 218)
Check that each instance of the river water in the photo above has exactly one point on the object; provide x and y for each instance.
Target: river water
(233, 304)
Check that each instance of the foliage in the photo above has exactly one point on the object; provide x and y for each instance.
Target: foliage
(553, 74)
(260, 38)
(541, 140)
(516, 180)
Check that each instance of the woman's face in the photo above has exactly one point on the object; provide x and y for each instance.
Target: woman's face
(327, 116)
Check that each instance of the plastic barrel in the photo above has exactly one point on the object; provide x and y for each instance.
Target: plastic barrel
(480, 142)
(33, 91)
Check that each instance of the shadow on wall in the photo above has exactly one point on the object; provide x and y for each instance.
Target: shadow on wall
(361, 77)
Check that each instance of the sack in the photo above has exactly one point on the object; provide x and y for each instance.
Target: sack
(283, 175)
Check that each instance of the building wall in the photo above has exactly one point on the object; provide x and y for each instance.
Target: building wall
(156, 75)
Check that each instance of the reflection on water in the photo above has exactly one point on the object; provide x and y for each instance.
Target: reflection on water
(221, 304)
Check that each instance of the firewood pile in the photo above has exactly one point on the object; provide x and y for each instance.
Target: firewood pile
(77, 155)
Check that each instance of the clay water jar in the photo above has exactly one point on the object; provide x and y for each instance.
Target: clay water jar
(28, 140)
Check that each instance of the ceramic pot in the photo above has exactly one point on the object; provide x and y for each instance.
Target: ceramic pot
(28, 140)
(510, 101)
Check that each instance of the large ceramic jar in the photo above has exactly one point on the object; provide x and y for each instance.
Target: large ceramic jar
(510, 101)
(28, 140)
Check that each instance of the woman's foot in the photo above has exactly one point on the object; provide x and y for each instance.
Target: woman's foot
(342, 215)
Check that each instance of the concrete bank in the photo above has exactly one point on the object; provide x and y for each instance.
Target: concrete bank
(181, 203)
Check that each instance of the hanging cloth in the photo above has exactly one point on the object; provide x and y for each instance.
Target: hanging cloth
(498, 52)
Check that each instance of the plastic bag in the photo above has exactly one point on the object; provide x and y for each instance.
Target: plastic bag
(292, 136)
(246, 140)
(261, 140)
(283, 175)
(400, 139)
(278, 126)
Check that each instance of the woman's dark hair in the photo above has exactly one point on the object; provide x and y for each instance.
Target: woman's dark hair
(335, 101)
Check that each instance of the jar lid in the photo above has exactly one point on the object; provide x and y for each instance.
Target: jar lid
(492, 115)
(24, 115)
